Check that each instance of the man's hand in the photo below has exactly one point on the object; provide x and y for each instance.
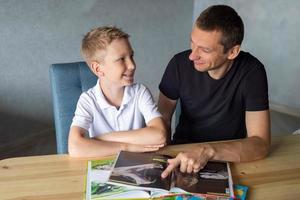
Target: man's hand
(190, 162)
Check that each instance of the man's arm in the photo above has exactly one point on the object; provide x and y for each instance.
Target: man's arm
(153, 134)
(166, 107)
(80, 146)
(255, 146)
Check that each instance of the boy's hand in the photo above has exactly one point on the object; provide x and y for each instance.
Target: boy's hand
(143, 148)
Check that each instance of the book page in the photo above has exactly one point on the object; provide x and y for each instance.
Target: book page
(140, 170)
(212, 179)
(97, 187)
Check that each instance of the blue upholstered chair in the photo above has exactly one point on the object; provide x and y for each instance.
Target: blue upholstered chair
(68, 81)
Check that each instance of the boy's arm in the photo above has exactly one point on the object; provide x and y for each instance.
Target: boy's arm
(79, 146)
(153, 134)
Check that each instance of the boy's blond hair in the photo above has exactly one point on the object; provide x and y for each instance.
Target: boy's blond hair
(97, 40)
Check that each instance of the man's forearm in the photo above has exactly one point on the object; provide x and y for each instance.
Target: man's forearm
(242, 150)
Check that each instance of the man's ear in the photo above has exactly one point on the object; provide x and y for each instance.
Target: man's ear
(97, 68)
(234, 52)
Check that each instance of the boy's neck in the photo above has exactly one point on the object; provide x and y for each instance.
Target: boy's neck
(113, 94)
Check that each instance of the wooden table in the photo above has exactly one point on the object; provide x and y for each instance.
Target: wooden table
(61, 177)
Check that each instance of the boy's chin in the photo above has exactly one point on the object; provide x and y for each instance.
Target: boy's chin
(128, 83)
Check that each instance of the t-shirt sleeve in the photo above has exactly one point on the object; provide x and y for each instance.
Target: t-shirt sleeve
(169, 84)
(83, 115)
(256, 90)
(146, 105)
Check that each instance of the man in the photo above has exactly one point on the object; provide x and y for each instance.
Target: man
(223, 94)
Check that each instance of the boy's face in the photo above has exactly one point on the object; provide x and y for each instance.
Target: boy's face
(118, 65)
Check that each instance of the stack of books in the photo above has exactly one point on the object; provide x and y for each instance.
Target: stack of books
(138, 176)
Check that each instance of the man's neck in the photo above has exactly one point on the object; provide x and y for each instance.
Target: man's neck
(221, 71)
(113, 94)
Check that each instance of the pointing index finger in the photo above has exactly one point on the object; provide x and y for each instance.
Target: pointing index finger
(173, 163)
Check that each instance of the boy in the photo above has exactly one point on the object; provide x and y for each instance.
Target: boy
(115, 110)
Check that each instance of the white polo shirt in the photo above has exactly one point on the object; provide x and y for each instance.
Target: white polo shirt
(96, 115)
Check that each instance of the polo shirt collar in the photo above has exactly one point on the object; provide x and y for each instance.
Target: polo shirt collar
(128, 95)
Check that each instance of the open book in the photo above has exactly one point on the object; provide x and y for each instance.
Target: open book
(97, 188)
(142, 171)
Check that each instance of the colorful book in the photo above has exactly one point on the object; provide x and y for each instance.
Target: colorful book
(142, 171)
(98, 188)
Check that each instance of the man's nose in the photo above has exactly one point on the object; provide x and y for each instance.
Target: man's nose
(194, 55)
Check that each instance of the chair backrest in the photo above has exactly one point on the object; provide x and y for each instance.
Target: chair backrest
(68, 81)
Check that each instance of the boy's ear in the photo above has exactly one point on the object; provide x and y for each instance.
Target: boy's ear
(234, 52)
(97, 68)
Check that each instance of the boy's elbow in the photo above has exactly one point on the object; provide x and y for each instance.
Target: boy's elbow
(74, 145)
(162, 136)
(158, 133)
(73, 149)
(73, 152)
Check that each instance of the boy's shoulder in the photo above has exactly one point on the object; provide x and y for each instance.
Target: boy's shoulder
(89, 94)
(137, 88)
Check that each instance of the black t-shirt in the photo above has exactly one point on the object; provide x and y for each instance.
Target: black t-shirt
(213, 110)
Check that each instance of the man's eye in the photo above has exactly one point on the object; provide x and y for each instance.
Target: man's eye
(206, 50)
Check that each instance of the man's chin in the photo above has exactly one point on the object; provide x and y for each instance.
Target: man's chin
(200, 68)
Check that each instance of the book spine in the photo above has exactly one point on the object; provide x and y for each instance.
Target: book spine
(87, 182)
(230, 182)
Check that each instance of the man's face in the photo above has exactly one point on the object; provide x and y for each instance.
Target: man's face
(207, 51)
(118, 65)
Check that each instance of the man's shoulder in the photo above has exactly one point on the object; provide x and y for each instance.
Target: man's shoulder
(181, 60)
(247, 64)
(183, 55)
(246, 58)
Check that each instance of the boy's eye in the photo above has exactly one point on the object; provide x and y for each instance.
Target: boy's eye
(120, 59)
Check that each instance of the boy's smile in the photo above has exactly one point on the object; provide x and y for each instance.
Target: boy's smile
(129, 76)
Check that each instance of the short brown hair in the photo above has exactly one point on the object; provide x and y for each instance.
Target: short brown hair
(98, 39)
(225, 19)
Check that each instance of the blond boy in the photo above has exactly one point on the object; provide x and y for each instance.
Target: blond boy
(117, 113)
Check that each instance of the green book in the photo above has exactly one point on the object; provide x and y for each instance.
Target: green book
(97, 188)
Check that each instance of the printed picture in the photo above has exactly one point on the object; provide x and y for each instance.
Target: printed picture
(143, 171)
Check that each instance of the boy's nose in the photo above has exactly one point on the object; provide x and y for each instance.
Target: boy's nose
(131, 65)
